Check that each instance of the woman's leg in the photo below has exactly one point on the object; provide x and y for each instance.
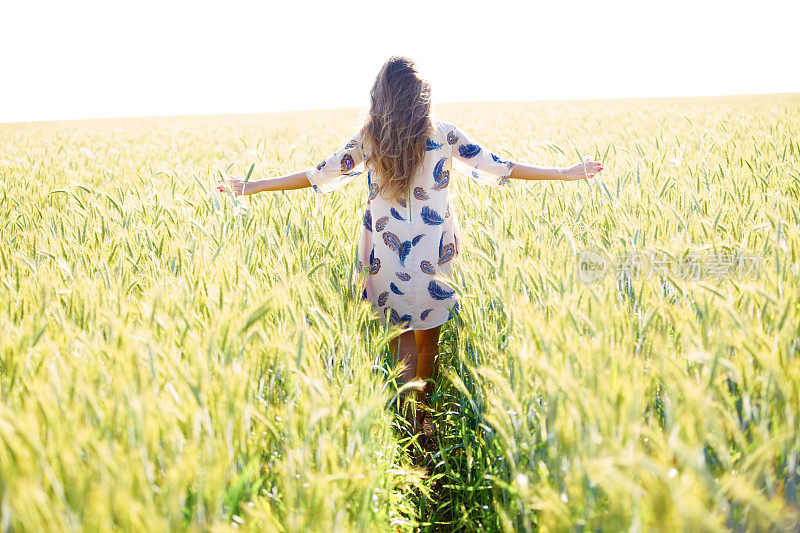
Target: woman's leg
(427, 350)
(417, 350)
(404, 347)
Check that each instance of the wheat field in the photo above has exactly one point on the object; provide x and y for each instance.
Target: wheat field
(173, 358)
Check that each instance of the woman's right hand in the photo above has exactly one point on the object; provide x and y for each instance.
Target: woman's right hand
(581, 171)
(239, 187)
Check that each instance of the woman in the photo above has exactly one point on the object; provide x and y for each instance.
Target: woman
(410, 235)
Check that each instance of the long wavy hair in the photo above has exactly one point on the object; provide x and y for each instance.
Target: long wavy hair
(397, 126)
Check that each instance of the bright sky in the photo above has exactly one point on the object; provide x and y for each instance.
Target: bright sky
(81, 59)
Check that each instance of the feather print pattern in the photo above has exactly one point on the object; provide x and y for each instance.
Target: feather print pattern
(446, 253)
(395, 289)
(397, 319)
(373, 191)
(401, 202)
(381, 224)
(374, 263)
(469, 150)
(404, 276)
(382, 298)
(416, 239)
(404, 251)
(430, 217)
(368, 220)
(420, 194)
(352, 144)
(447, 211)
(396, 214)
(444, 179)
(375, 266)
(347, 163)
(392, 241)
(427, 267)
(438, 168)
(438, 292)
(319, 167)
(401, 248)
(431, 145)
(452, 138)
(423, 315)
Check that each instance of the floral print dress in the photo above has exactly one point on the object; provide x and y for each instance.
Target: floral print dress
(408, 247)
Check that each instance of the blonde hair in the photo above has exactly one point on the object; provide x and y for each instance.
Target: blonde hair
(398, 125)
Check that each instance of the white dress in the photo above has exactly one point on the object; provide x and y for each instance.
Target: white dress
(407, 248)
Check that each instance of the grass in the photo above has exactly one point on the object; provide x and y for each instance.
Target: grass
(174, 359)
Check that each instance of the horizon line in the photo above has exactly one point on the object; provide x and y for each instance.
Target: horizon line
(362, 107)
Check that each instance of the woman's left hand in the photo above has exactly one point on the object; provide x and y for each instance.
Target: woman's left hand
(582, 171)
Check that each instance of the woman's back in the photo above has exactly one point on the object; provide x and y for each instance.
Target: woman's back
(408, 245)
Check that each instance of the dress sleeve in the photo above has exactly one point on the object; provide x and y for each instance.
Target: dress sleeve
(476, 161)
(339, 168)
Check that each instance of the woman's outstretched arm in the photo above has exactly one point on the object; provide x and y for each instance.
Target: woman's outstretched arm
(489, 169)
(298, 180)
(333, 172)
(580, 171)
